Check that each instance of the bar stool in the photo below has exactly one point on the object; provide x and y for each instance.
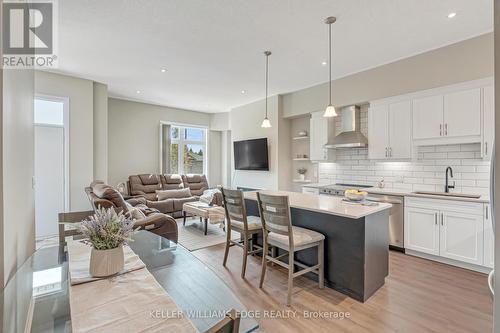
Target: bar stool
(237, 220)
(279, 232)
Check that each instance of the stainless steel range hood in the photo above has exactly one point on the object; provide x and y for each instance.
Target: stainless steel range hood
(350, 135)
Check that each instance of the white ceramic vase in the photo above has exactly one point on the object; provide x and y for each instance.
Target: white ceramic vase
(302, 176)
(106, 262)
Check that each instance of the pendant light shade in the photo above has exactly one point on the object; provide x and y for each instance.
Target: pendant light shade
(266, 123)
(330, 109)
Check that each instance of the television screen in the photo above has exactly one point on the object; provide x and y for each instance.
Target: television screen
(251, 155)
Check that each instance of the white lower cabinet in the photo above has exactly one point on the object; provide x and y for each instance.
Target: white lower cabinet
(422, 230)
(461, 237)
(449, 229)
(489, 238)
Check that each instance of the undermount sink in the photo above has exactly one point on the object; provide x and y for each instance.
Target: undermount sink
(459, 195)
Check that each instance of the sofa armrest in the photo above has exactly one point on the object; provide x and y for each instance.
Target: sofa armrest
(217, 199)
(160, 224)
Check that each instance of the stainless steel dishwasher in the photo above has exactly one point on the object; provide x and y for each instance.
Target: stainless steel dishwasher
(396, 218)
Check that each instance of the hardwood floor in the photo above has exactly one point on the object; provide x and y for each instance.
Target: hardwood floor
(419, 296)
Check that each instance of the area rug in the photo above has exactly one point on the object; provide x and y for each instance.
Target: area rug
(192, 235)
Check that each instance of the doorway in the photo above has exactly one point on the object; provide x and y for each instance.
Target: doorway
(51, 163)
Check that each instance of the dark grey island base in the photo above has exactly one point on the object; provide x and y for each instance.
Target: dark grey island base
(356, 250)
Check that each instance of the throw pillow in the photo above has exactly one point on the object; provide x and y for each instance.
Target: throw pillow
(170, 194)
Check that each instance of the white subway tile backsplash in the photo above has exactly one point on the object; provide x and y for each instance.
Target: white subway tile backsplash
(425, 173)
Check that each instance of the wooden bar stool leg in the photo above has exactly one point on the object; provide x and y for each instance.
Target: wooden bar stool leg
(290, 277)
(321, 259)
(264, 263)
(228, 243)
(245, 254)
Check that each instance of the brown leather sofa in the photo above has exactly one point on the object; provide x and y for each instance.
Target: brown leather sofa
(102, 195)
(146, 185)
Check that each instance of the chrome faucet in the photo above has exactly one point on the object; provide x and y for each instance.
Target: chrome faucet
(446, 186)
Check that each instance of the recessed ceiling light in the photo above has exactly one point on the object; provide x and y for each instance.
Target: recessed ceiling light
(138, 91)
(243, 91)
(163, 70)
(324, 63)
(452, 15)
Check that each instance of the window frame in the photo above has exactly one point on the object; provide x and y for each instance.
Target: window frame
(182, 142)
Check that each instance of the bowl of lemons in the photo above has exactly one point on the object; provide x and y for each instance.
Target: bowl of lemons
(355, 195)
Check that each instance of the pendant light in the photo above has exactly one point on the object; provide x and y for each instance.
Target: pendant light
(266, 123)
(330, 109)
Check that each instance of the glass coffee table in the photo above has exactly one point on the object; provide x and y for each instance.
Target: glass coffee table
(37, 296)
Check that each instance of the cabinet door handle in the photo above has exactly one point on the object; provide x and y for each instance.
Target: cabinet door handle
(486, 211)
(386, 152)
(442, 219)
(390, 151)
(486, 148)
(440, 129)
(435, 218)
(446, 129)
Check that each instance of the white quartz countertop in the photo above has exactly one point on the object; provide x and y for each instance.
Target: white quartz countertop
(325, 204)
(315, 185)
(408, 193)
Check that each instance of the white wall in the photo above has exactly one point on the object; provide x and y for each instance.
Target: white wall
(464, 61)
(18, 212)
(81, 134)
(215, 157)
(100, 131)
(133, 134)
(245, 124)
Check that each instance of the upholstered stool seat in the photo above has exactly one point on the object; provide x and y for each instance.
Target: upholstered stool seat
(301, 237)
(253, 222)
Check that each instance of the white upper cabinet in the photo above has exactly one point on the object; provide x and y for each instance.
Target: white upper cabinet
(428, 117)
(450, 115)
(462, 113)
(318, 131)
(389, 131)
(489, 121)
(399, 130)
(378, 132)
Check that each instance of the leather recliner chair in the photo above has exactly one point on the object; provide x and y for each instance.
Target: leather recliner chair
(102, 195)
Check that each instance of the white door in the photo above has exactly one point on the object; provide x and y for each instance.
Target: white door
(378, 134)
(428, 117)
(399, 130)
(422, 230)
(462, 113)
(318, 132)
(49, 178)
(488, 121)
(462, 237)
(50, 164)
(489, 239)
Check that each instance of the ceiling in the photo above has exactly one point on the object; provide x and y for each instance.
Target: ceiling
(212, 50)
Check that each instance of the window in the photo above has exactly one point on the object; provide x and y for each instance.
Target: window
(49, 112)
(184, 149)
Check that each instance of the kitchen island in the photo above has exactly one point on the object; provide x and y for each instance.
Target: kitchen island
(356, 239)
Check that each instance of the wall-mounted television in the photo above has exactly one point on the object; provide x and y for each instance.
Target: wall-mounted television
(251, 155)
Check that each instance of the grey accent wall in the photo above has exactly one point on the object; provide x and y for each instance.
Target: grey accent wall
(464, 61)
(100, 131)
(134, 139)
